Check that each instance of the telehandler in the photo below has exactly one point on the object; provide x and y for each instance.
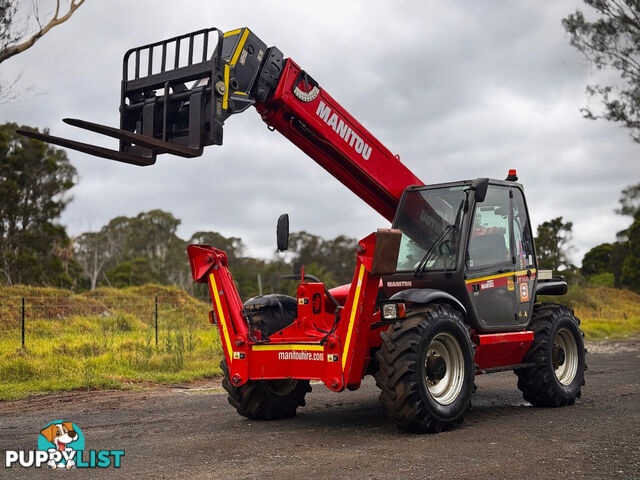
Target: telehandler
(447, 293)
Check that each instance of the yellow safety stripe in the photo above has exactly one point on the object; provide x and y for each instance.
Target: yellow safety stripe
(232, 32)
(225, 97)
(222, 320)
(500, 275)
(354, 308)
(300, 346)
(236, 54)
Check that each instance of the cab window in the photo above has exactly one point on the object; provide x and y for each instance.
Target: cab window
(430, 220)
(523, 239)
(490, 238)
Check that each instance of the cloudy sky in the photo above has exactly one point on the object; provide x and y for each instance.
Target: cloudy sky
(458, 89)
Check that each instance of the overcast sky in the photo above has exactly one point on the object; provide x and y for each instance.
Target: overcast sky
(458, 89)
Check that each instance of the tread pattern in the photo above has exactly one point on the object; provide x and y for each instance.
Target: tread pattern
(538, 383)
(256, 401)
(398, 375)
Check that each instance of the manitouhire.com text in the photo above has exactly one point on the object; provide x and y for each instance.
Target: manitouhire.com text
(301, 356)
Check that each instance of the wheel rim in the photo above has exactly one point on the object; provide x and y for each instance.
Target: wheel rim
(444, 368)
(281, 387)
(565, 356)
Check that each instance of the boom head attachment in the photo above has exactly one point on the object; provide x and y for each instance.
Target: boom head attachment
(177, 93)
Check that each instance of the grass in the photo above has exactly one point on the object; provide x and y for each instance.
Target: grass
(605, 313)
(103, 339)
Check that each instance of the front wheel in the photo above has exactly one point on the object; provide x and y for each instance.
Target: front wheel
(426, 370)
(558, 358)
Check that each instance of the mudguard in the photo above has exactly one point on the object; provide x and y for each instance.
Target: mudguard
(427, 295)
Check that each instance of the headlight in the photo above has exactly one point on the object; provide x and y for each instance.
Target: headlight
(391, 311)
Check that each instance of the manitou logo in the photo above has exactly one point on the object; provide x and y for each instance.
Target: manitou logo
(341, 128)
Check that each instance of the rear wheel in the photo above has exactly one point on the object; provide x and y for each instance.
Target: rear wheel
(426, 370)
(266, 399)
(558, 355)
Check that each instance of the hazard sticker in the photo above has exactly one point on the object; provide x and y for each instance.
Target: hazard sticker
(238, 355)
(332, 358)
(524, 292)
(510, 284)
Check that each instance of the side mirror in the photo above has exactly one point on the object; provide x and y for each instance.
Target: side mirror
(282, 232)
(479, 186)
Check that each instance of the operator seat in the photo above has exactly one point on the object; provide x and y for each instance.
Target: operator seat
(488, 250)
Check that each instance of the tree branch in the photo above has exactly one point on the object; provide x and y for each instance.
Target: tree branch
(12, 50)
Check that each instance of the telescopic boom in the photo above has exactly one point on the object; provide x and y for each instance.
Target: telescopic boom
(177, 94)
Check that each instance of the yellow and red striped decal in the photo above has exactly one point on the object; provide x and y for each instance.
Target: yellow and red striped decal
(500, 275)
(354, 309)
(221, 318)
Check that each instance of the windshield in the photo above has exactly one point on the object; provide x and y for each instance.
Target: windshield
(430, 222)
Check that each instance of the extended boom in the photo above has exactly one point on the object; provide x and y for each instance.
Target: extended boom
(177, 94)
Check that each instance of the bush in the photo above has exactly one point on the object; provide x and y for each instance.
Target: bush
(631, 273)
(605, 279)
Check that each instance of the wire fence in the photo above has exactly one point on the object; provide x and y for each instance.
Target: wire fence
(18, 314)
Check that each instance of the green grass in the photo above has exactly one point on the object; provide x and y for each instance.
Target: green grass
(605, 313)
(103, 339)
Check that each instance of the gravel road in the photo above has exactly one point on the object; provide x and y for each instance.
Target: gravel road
(191, 432)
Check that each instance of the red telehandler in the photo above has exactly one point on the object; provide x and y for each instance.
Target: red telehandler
(448, 293)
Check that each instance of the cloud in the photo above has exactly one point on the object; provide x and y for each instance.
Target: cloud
(459, 89)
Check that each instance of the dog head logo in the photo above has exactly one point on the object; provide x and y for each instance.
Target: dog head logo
(63, 437)
(60, 434)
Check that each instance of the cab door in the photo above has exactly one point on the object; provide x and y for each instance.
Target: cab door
(490, 265)
(524, 255)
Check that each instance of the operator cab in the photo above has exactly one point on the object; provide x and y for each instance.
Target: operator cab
(471, 240)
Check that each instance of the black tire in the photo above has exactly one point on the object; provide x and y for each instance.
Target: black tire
(265, 399)
(409, 388)
(268, 399)
(557, 375)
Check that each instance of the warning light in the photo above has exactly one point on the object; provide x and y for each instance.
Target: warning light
(513, 176)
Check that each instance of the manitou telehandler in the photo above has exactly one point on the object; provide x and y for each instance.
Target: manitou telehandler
(447, 293)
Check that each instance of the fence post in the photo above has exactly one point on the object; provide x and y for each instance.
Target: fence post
(22, 322)
(156, 312)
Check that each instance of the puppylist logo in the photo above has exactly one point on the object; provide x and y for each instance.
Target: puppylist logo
(61, 446)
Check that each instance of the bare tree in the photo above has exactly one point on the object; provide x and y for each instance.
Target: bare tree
(21, 26)
(96, 252)
(15, 38)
